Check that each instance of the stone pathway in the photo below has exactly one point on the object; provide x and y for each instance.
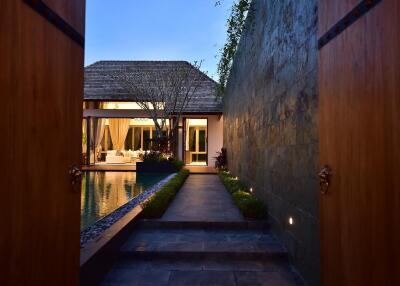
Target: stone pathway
(203, 198)
(202, 239)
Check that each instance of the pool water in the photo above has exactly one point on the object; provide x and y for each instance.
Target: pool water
(104, 192)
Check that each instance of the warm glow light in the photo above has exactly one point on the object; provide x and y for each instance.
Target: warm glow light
(145, 122)
(139, 122)
(196, 122)
(125, 105)
(251, 190)
(291, 221)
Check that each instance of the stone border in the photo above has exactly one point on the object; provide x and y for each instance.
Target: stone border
(95, 230)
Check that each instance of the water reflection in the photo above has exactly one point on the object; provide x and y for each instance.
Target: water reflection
(103, 192)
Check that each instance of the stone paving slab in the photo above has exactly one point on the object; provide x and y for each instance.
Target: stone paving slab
(208, 241)
(122, 276)
(208, 263)
(203, 198)
(202, 278)
(137, 277)
(250, 278)
(262, 225)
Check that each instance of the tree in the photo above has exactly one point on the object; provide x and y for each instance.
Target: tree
(164, 94)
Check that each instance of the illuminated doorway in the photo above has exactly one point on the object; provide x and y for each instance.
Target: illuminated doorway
(196, 142)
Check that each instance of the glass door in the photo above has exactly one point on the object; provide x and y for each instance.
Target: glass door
(196, 142)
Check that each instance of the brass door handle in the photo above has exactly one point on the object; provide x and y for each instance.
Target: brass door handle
(325, 176)
(75, 174)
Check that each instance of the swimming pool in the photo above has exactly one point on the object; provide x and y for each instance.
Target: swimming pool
(104, 192)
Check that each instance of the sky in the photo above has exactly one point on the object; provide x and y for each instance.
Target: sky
(191, 30)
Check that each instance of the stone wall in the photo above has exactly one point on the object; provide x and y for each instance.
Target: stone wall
(270, 127)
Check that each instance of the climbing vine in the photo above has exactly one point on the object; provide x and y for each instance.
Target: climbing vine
(235, 26)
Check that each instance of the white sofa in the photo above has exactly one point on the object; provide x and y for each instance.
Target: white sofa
(113, 158)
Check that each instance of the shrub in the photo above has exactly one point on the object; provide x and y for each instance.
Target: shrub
(240, 195)
(221, 160)
(153, 156)
(250, 206)
(231, 183)
(178, 164)
(157, 204)
(157, 157)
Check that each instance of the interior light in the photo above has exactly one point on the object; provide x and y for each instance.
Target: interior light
(251, 190)
(291, 221)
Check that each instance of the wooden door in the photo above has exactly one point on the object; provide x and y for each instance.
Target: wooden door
(359, 125)
(41, 89)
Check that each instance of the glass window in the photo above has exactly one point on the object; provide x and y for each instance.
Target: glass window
(192, 139)
(107, 142)
(137, 138)
(202, 141)
(146, 138)
(128, 140)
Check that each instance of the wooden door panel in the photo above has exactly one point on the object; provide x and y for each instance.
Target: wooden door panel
(359, 122)
(330, 12)
(41, 87)
(72, 11)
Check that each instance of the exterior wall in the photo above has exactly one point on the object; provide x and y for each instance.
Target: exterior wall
(180, 140)
(215, 137)
(270, 128)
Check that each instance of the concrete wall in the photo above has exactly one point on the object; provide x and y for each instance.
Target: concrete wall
(215, 137)
(270, 128)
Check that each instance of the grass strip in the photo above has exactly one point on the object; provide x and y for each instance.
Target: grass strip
(250, 206)
(155, 207)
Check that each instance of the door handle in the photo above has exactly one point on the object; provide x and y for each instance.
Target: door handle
(325, 176)
(75, 174)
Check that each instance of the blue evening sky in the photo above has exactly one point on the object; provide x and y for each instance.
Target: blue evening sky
(191, 30)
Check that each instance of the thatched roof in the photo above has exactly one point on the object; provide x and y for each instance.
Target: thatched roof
(101, 86)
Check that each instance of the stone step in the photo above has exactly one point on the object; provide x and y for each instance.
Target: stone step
(204, 225)
(207, 271)
(200, 264)
(190, 243)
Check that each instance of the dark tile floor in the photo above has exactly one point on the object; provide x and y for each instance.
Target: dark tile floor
(166, 253)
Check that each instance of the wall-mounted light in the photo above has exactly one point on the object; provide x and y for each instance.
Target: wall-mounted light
(291, 220)
(251, 190)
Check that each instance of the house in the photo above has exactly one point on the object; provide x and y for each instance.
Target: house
(116, 130)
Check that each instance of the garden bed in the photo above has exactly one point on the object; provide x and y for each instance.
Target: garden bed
(250, 206)
(155, 207)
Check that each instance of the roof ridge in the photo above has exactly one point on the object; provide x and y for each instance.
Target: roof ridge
(141, 61)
